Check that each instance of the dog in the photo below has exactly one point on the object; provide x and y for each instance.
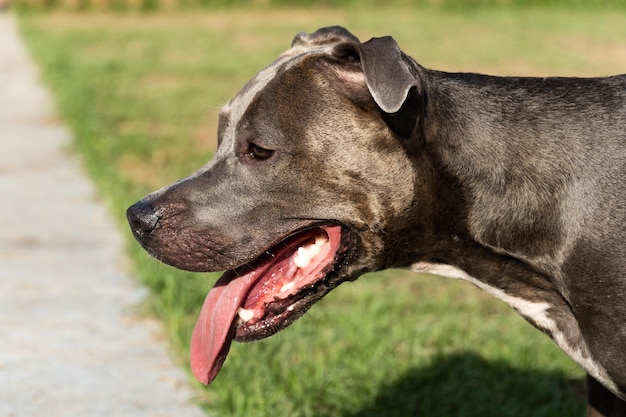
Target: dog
(344, 157)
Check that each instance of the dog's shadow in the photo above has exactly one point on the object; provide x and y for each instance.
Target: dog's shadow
(467, 385)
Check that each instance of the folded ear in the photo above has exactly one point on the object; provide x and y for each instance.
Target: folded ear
(388, 77)
(324, 36)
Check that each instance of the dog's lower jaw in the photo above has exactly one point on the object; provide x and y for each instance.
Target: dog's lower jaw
(274, 323)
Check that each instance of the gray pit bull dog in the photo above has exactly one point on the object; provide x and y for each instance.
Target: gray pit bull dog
(345, 157)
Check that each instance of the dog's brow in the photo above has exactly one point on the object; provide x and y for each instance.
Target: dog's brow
(235, 109)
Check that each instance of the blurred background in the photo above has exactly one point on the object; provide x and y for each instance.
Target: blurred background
(140, 82)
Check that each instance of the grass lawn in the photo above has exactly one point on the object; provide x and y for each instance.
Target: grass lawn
(141, 93)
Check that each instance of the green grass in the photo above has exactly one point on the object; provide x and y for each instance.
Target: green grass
(141, 94)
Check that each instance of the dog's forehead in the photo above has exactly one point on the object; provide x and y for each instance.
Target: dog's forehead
(233, 111)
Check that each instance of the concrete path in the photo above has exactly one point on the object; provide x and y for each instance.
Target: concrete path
(70, 344)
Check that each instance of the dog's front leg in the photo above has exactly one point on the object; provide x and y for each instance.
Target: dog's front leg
(602, 402)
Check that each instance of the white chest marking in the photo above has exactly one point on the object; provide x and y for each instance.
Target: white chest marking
(532, 310)
(536, 313)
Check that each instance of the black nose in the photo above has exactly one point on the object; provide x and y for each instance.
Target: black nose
(142, 219)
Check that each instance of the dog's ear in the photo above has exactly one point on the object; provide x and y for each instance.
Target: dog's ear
(388, 77)
(324, 36)
(382, 70)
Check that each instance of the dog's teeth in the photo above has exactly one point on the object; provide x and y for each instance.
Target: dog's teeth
(288, 286)
(305, 255)
(302, 258)
(245, 314)
(320, 240)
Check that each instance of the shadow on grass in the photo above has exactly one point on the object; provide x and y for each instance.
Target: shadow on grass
(467, 385)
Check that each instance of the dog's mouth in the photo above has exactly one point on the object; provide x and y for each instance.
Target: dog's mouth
(266, 295)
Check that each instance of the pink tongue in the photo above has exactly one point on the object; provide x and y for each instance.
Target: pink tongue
(209, 348)
(215, 328)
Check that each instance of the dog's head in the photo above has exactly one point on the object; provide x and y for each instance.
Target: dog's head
(311, 176)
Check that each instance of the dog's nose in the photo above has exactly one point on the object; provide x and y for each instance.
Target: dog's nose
(142, 219)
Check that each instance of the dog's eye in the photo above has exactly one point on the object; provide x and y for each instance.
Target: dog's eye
(256, 152)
